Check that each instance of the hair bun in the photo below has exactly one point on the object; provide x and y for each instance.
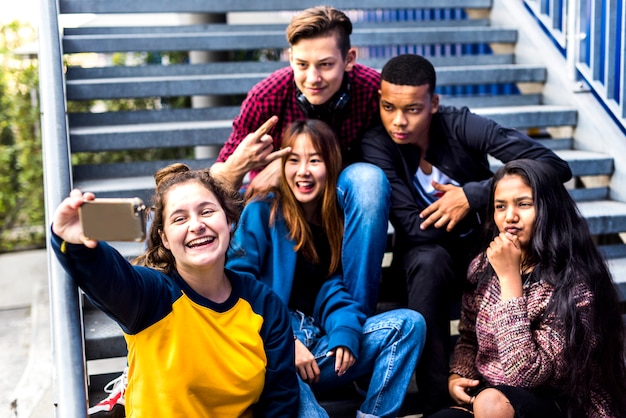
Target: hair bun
(170, 170)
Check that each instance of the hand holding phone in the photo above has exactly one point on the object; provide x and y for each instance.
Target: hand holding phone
(113, 219)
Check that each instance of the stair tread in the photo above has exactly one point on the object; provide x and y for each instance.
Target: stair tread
(104, 30)
(535, 116)
(152, 127)
(604, 216)
(617, 266)
(570, 154)
(582, 163)
(495, 100)
(260, 39)
(86, 120)
(602, 208)
(525, 109)
(103, 336)
(79, 120)
(242, 69)
(218, 6)
(613, 251)
(490, 112)
(75, 73)
(577, 154)
(180, 81)
(97, 184)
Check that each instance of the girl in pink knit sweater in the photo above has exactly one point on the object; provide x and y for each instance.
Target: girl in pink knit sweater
(540, 331)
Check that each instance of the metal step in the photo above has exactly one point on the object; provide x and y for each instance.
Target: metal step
(220, 6)
(255, 27)
(389, 34)
(604, 216)
(136, 179)
(189, 80)
(103, 336)
(587, 163)
(590, 194)
(137, 185)
(618, 271)
(121, 171)
(150, 135)
(497, 100)
(215, 132)
(157, 70)
(137, 117)
(582, 163)
(526, 117)
(556, 144)
(613, 251)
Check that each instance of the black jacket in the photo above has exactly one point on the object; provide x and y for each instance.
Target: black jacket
(460, 142)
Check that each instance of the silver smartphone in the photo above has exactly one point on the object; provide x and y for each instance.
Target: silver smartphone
(113, 219)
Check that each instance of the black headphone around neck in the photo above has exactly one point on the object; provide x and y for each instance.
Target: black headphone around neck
(335, 104)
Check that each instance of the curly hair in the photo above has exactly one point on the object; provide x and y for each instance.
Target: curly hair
(410, 70)
(156, 255)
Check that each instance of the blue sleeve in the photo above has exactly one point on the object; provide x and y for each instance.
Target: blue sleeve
(251, 240)
(135, 297)
(263, 250)
(339, 315)
(280, 396)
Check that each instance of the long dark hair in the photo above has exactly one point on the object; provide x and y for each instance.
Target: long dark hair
(325, 143)
(563, 254)
(156, 255)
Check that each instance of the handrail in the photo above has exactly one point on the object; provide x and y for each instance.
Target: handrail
(592, 37)
(69, 383)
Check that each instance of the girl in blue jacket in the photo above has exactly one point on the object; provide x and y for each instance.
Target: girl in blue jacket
(290, 238)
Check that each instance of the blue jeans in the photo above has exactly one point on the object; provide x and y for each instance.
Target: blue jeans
(364, 196)
(390, 347)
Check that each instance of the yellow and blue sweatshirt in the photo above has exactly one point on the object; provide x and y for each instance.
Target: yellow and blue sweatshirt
(189, 356)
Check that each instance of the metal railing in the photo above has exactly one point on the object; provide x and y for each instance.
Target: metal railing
(592, 36)
(69, 373)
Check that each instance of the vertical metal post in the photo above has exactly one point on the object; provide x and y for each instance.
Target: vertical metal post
(197, 57)
(622, 75)
(70, 387)
(572, 37)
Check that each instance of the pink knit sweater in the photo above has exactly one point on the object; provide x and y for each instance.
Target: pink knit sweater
(510, 343)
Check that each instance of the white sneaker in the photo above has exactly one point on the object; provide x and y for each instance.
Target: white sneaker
(114, 404)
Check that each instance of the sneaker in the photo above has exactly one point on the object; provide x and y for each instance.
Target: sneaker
(114, 405)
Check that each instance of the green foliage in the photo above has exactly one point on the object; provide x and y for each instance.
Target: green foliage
(22, 214)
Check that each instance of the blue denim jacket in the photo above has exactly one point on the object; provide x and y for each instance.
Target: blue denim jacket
(267, 252)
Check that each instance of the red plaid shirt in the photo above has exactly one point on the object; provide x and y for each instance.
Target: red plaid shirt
(276, 95)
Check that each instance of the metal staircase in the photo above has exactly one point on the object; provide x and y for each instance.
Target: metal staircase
(467, 66)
